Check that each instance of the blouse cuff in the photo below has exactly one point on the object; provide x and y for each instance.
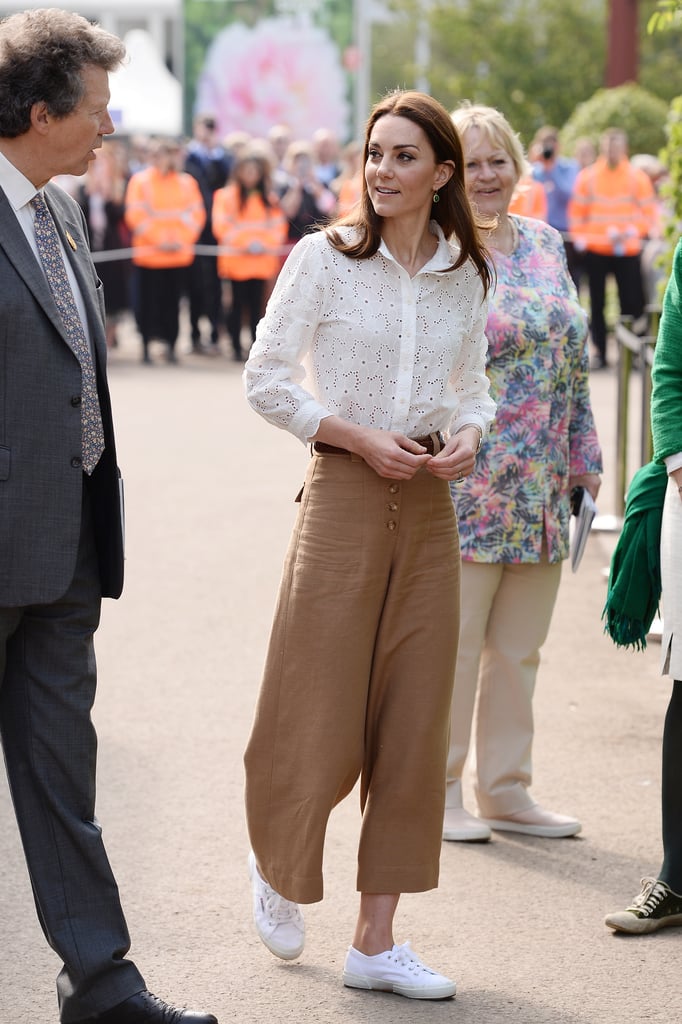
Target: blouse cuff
(673, 462)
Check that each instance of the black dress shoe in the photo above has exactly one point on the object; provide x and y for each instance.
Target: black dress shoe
(144, 1008)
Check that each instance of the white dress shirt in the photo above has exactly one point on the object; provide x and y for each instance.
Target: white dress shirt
(372, 344)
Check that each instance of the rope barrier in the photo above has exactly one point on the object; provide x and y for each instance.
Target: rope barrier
(111, 255)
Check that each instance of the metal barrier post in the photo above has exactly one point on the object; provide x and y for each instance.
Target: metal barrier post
(625, 361)
(631, 347)
(647, 358)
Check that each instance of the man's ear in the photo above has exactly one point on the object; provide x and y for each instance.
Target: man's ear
(40, 117)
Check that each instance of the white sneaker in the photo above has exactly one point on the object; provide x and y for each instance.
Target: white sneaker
(536, 821)
(461, 826)
(279, 922)
(397, 970)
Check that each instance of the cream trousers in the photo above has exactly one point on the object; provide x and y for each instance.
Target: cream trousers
(505, 617)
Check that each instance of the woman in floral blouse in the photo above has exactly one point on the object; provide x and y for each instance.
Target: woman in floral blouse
(513, 511)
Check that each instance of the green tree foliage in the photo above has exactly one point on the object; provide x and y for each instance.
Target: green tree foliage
(630, 107)
(668, 14)
(660, 51)
(666, 17)
(519, 57)
(671, 190)
(536, 60)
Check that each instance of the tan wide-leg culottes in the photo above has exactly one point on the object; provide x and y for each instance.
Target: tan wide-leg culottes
(358, 681)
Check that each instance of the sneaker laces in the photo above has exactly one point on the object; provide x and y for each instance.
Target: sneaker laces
(405, 956)
(278, 909)
(653, 893)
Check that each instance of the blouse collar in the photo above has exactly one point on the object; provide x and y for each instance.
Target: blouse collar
(443, 258)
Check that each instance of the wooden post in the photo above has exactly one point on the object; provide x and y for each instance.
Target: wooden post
(622, 43)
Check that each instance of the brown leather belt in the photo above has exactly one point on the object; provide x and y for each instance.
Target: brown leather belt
(429, 442)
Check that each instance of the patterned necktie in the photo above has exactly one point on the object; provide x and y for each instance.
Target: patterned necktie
(92, 434)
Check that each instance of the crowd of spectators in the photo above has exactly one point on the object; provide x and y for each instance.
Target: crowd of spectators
(606, 205)
(207, 222)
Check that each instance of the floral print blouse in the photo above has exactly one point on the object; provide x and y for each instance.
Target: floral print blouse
(544, 429)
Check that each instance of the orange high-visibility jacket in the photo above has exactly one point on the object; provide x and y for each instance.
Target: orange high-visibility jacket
(237, 228)
(530, 199)
(612, 209)
(349, 194)
(165, 213)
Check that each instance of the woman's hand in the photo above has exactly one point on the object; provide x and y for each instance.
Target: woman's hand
(458, 457)
(389, 453)
(590, 481)
(392, 455)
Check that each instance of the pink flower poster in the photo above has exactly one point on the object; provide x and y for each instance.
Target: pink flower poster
(268, 67)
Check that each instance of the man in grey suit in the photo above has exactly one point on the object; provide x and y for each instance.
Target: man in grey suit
(61, 547)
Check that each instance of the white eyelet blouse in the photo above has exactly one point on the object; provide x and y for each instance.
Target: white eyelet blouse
(362, 340)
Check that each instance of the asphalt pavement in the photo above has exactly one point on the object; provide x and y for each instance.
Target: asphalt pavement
(518, 922)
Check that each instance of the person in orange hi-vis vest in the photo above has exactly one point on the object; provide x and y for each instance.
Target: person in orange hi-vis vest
(348, 186)
(250, 228)
(165, 213)
(611, 213)
(529, 199)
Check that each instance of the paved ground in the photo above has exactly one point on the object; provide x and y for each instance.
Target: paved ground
(518, 922)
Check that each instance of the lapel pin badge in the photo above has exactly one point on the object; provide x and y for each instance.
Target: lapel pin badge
(71, 242)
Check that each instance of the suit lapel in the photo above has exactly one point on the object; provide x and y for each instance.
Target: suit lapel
(21, 256)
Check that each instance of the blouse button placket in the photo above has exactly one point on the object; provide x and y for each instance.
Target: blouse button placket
(408, 344)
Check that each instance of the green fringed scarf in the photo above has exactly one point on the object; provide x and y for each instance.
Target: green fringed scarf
(635, 575)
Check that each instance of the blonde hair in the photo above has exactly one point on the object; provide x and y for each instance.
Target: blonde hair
(496, 129)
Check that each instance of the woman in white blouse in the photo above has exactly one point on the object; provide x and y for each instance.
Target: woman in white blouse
(372, 350)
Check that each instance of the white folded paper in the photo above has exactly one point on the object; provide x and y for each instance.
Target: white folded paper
(583, 511)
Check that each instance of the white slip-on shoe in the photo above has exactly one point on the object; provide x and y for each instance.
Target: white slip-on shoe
(279, 922)
(460, 826)
(398, 970)
(536, 821)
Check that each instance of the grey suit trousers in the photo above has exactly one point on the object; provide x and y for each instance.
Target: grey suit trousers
(47, 689)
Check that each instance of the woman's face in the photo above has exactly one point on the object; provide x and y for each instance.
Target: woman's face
(401, 170)
(249, 173)
(489, 173)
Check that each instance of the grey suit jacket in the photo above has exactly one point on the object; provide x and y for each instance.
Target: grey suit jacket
(41, 479)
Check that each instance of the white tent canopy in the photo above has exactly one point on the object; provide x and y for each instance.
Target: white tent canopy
(145, 97)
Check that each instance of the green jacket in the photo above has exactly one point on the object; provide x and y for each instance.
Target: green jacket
(666, 375)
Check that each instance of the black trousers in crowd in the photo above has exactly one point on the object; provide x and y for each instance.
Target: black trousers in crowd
(628, 274)
(157, 294)
(246, 295)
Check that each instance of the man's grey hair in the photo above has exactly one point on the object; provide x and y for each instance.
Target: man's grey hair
(42, 57)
